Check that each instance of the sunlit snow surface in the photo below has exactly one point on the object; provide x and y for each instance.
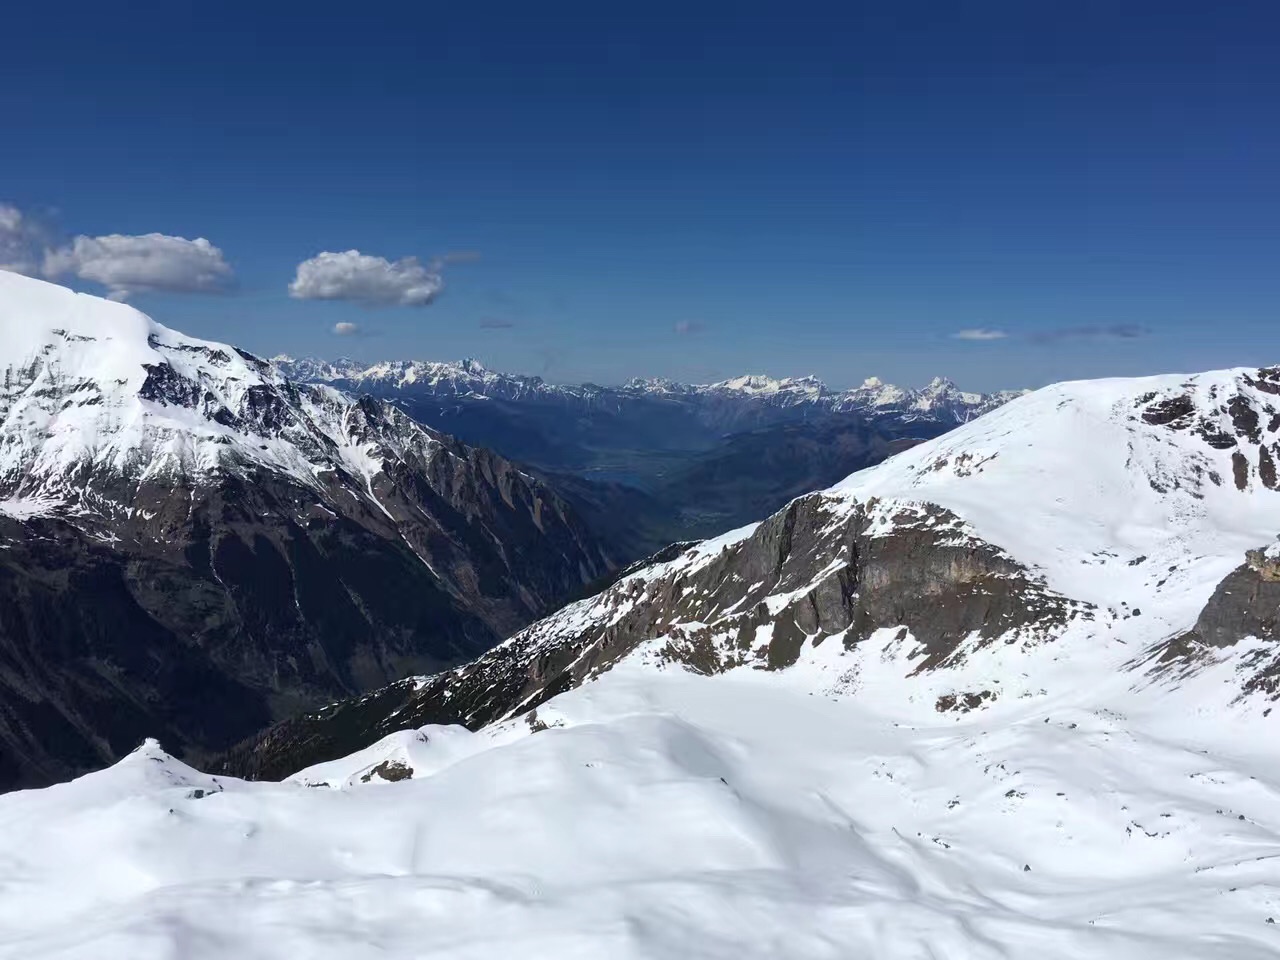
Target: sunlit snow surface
(665, 815)
(1091, 810)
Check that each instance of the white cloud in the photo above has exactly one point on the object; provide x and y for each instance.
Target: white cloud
(346, 329)
(127, 265)
(374, 280)
(20, 241)
(979, 333)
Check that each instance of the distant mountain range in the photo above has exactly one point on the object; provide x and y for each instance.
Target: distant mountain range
(664, 461)
(745, 400)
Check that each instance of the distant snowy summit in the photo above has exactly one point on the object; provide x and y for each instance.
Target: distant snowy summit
(940, 400)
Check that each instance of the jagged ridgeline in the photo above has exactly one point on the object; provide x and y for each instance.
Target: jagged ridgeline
(192, 545)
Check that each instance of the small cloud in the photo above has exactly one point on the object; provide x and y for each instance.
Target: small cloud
(461, 256)
(345, 329)
(686, 327)
(127, 265)
(495, 323)
(979, 333)
(1115, 331)
(355, 276)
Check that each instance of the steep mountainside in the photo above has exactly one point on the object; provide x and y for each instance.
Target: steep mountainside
(1106, 521)
(1007, 694)
(192, 544)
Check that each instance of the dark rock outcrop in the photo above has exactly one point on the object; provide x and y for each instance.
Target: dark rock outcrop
(1246, 604)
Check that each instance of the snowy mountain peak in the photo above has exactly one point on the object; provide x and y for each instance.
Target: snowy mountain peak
(655, 385)
(761, 385)
(96, 389)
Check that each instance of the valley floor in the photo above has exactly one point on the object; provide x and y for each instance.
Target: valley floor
(661, 814)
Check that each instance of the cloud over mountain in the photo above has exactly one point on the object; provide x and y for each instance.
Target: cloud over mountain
(127, 265)
(20, 241)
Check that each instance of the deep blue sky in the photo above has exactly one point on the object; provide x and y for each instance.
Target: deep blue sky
(809, 189)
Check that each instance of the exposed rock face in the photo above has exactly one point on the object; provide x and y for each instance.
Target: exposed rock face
(1237, 423)
(1265, 561)
(1245, 606)
(217, 610)
(811, 573)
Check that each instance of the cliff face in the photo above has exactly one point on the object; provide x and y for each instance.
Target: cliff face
(1243, 612)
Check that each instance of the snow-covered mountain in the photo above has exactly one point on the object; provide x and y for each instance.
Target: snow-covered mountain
(176, 515)
(1098, 516)
(1007, 693)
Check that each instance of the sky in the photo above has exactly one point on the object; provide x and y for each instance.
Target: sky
(1006, 194)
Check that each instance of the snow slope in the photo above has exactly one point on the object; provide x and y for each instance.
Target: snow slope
(1076, 482)
(830, 809)
(665, 815)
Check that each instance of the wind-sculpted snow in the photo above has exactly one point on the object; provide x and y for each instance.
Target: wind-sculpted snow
(661, 815)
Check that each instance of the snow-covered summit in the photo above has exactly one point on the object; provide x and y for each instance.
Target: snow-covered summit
(95, 389)
(460, 378)
(1082, 479)
(797, 389)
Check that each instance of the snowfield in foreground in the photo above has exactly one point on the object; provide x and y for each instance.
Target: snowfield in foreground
(661, 814)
